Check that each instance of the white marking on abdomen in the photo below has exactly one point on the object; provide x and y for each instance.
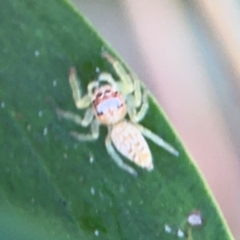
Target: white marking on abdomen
(129, 141)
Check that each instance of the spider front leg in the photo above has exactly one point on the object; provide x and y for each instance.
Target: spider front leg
(117, 159)
(157, 140)
(126, 86)
(80, 102)
(88, 118)
(104, 76)
(130, 84)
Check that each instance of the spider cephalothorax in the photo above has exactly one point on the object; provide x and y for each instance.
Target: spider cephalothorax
(108, 102)
(109, 105)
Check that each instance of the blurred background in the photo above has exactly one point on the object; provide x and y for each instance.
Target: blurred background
(188, 55)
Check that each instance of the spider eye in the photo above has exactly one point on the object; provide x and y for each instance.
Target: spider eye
(100, 113)
(99, 94)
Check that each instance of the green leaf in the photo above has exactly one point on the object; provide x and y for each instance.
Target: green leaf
(54, 187)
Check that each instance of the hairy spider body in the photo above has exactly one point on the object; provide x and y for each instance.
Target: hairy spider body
(110, 109)
(108, 102)
(129, 141)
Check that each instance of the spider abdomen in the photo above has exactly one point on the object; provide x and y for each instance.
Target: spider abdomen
(129, 141)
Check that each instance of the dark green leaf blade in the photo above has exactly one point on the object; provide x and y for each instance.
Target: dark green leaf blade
(70, 187)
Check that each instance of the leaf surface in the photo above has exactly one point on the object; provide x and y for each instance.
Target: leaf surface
(64, 189)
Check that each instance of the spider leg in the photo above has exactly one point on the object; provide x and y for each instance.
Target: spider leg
(80, 102)
(93, 135)
(126, 85)
(157, 140)
(104, 76)
(138, 96)
(131, 87)
(87, 119)
(137, 116)
(117, 159)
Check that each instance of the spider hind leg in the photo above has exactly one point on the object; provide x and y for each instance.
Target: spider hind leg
(117, 159)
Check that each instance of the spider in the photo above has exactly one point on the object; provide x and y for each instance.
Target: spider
(108, 102)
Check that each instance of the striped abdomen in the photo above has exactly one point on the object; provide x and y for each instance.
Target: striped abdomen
(129, 141)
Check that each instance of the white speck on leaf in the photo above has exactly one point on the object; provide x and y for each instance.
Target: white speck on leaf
(54, 83)
(29, 127)
(2, 104)
(92, 191)
(45, 131)
(33, 200)
(96, 232)
(180, 233)
(195, 219)
(91, 159)
(36, 53)
(40, 113)
(167, 228)
(97, 69)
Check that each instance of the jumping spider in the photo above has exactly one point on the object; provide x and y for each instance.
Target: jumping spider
(108, 102)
